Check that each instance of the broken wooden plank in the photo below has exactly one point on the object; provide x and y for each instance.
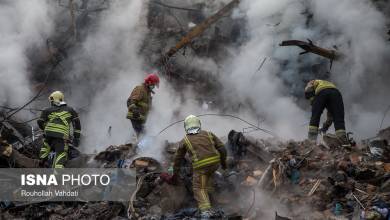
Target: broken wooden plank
(200, 28)
(315, 187)
(15, 132)
(310, 47)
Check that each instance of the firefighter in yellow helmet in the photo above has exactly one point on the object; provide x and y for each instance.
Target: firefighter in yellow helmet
(207, 153)
(324, 95)
(56, 122)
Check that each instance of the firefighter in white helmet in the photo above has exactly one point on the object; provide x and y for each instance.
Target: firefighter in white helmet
(56, 122)
(207, 153)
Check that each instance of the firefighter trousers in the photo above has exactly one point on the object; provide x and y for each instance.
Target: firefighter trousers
(202, 183)
(60, 149)
(138, 126)
(332, 100)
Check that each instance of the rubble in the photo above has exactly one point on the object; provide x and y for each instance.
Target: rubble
(309, 181)
(331, 182)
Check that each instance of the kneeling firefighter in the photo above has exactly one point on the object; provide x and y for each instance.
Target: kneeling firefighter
(207, 153)
(323, 94)
(56, 122)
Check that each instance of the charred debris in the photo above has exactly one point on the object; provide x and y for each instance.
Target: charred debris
(308, 181)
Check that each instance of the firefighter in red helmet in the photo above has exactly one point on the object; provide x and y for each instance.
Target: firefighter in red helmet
(140, 101)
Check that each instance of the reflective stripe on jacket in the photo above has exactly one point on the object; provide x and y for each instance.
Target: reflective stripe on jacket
(320, 85)
(56, 121)
(204, 149)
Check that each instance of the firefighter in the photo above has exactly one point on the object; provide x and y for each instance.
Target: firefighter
(140, 101)
(207, 153)
(324, 95)
(56, 122)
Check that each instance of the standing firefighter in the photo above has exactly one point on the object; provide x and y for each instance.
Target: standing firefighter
(140, 101)
(56, 122)
(323, 94)
(207, 152)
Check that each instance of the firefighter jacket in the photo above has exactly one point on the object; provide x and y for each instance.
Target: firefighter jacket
(139, 103)
(204, 149)
(320, 85)
(56, 122)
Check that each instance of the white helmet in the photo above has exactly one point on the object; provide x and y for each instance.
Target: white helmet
(192, 124)
(57, 98)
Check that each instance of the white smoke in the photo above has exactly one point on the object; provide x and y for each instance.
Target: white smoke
(24, 25)
(356, 28)
(359, 28)
(111, 67)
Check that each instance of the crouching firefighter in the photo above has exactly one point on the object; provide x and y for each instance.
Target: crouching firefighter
(207, 153)
(324, 95)
(140, 101)
(56, 122)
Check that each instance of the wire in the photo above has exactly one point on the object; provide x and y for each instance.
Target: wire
(174, 7)
(384, 116)
(35, 97)
(253, 202)
(27, 109)
(259, 68)
(24, 122)
(223, 115)
(131, 208)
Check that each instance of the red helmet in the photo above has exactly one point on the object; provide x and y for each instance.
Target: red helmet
(152, 79)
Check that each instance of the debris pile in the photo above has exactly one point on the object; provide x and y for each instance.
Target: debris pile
(299, 179)
(330, 182)
(308, 181)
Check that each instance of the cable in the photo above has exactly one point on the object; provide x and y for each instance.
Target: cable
(174, 7)
(253, 202)
(131, 208)
(24, 122)
(35, 97)
(223, 115)
(384, 116)
(27, 109)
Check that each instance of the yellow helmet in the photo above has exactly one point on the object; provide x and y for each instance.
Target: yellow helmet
(57, 98)
(192, 124)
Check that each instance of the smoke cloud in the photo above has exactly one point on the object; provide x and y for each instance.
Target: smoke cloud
(109, 64)
(24, 26)
(357, 29)
(275, 92)
(106, 64)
